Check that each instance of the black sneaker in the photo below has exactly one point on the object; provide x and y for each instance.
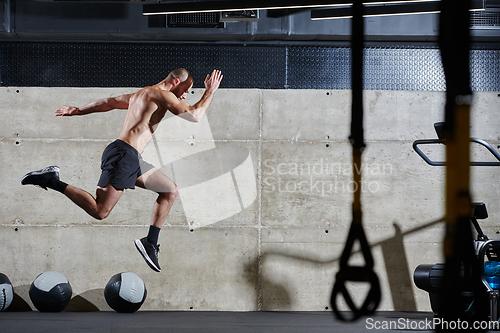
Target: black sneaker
(40, 177)
(149, 252)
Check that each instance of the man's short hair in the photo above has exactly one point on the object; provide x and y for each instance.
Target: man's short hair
(180, 73)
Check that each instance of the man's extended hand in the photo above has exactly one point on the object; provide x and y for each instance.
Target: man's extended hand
(212, 82)
(67, 111)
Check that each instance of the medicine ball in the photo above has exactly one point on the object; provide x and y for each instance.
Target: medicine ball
(6, 292)
(50, 292)
(125, 292)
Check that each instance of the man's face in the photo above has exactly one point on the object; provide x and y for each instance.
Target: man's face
(182, 89)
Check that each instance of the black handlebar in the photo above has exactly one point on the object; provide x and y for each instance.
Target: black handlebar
(435, 141)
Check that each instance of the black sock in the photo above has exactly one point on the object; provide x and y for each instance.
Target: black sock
(153, 234)
(56, 184)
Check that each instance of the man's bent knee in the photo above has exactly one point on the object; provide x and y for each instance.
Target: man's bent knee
(175, 192)
(171, 195)
(101, 214)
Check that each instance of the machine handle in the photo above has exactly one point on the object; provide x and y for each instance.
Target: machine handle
(437, 141)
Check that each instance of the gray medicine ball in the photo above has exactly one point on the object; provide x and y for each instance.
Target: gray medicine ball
(50, 292)
(125, 292)
(6, 292)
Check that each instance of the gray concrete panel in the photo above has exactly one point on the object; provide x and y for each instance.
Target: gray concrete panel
(208, 269)
(402, 115)
(305, 115)
(317, 115)
(234, 114)
(484, 123)
(35, 118)
(310, 184)
(303, 183)
(35, 108)
(299, 265)
(400, 187)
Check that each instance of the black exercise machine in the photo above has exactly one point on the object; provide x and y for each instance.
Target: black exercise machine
(430, 277)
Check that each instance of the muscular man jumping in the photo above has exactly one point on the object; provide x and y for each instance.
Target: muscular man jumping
(122, 165)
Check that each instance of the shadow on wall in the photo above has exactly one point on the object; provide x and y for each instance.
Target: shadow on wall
(18, 303)
(79, 303)
(83, 302)
(276, 295)
(398, 275)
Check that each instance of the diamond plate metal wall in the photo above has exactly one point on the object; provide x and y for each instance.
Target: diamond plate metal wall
(403, 69)
(386, 68)
(319, 68)
(485, 70)
(137, 64)
(254, 66)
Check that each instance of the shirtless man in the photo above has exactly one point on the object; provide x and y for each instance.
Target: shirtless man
(122, 166)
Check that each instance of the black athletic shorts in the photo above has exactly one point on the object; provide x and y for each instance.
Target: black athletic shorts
(121, 165)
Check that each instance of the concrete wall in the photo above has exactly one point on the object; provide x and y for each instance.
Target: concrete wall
(264, 205)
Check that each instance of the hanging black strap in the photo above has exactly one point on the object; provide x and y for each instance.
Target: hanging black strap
(462, 272)
(357, 41)
(454, 43)
(346, 272)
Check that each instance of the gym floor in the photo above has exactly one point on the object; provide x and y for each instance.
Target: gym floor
(207, 322)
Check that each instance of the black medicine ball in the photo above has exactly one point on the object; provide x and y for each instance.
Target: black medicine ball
(125, 292)
(6, 292)
(50, 292)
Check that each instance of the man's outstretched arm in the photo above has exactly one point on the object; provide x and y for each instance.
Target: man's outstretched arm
(197, 111)
(101, 105)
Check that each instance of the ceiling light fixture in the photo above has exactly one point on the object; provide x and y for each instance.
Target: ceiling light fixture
(429, 7)
(239, 5)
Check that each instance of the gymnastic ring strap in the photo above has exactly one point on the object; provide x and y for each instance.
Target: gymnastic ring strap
(356, 274)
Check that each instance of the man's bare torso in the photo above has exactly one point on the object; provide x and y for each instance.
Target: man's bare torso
(147, 107)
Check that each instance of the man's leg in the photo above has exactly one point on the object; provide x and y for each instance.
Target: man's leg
(99, 207)
(156, 181)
